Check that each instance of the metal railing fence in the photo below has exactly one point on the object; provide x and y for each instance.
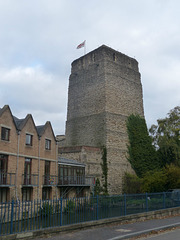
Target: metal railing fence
(7, 179)
(30, 179)
(75, 181)
(17, 217)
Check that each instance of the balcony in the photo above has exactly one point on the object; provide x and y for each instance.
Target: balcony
(30, 180)
(75, 181)
(7, 179)
(49, 180)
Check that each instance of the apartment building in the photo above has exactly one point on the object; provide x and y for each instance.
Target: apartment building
(28, 158)
(29, 164)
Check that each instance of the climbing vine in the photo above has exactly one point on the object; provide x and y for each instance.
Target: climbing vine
(141, 153)
(104, 170)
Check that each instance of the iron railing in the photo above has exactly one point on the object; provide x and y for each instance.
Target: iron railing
(75, 181)
(49, 180)
(18, 217)
(7, 179)
(30, 179)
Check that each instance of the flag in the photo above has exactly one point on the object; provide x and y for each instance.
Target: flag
(81, 45)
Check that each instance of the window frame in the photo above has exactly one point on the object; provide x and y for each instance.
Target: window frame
(5, 134)
(47, 144)
(3, 195)
(25, 192)
(29, 139)
(46, 193)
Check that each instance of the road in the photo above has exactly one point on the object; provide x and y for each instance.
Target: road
(173, 234)
(119, 231)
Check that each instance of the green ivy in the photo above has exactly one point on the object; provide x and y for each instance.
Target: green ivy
(104, 166)
(141, 153)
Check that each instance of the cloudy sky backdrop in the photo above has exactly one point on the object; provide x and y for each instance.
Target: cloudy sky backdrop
(38, 40)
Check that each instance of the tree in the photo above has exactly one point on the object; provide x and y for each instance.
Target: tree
(173, 176)
(131, 184)
(166, 137)
(141, 152)
(162, 180)
(154, 181)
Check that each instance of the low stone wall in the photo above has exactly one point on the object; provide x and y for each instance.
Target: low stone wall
(124, 219)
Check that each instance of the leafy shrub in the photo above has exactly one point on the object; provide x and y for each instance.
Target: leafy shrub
(70, 207)
(131, 184)
(98, 188)
(173, 176)
(46, 209)
(154, 181)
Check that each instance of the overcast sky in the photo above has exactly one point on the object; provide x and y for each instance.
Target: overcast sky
(38, 40)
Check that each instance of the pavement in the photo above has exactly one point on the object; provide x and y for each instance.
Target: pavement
(118, 231)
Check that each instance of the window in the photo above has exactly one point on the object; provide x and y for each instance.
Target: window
(3, 168)
(3, 163)
(47, 173)
(27, 171)
(29, 139)
(3, 194)
(26, 194)
(46, 193)
(5, 134)
(47, 144)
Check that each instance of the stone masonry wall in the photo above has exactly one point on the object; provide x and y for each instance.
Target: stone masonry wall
(104, 89)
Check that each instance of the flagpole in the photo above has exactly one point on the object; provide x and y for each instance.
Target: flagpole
(85, 48)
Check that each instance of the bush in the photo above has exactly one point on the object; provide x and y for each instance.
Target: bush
(154, 181)
(173, 176)
(70, 207)
(131, 184)
(97, 188)
(46, 209)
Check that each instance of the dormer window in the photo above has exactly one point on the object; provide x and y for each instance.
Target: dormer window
(29, 139)
(47, 144)
(5, 134)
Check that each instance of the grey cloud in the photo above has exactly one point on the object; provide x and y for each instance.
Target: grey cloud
(38, 43)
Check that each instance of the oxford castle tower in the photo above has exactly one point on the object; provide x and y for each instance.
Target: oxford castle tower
(104, 89)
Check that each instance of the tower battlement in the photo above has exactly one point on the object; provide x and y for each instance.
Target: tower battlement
(104, 53)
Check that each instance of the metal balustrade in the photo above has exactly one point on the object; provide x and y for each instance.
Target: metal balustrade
(75, 181)
(49, 180)
(30, 179)
(7, 179)
(18, 217)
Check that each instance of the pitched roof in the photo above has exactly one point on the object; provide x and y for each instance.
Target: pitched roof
(66, 161)
(6, 107)
(41, 129)
(20, 123)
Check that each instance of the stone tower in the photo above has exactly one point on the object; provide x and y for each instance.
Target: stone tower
(104, 89)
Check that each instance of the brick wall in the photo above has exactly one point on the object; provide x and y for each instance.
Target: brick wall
(37, 153)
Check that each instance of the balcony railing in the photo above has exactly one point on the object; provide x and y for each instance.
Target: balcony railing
(7, 179)
(30, 179)
(75, 181)
(49, 180)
